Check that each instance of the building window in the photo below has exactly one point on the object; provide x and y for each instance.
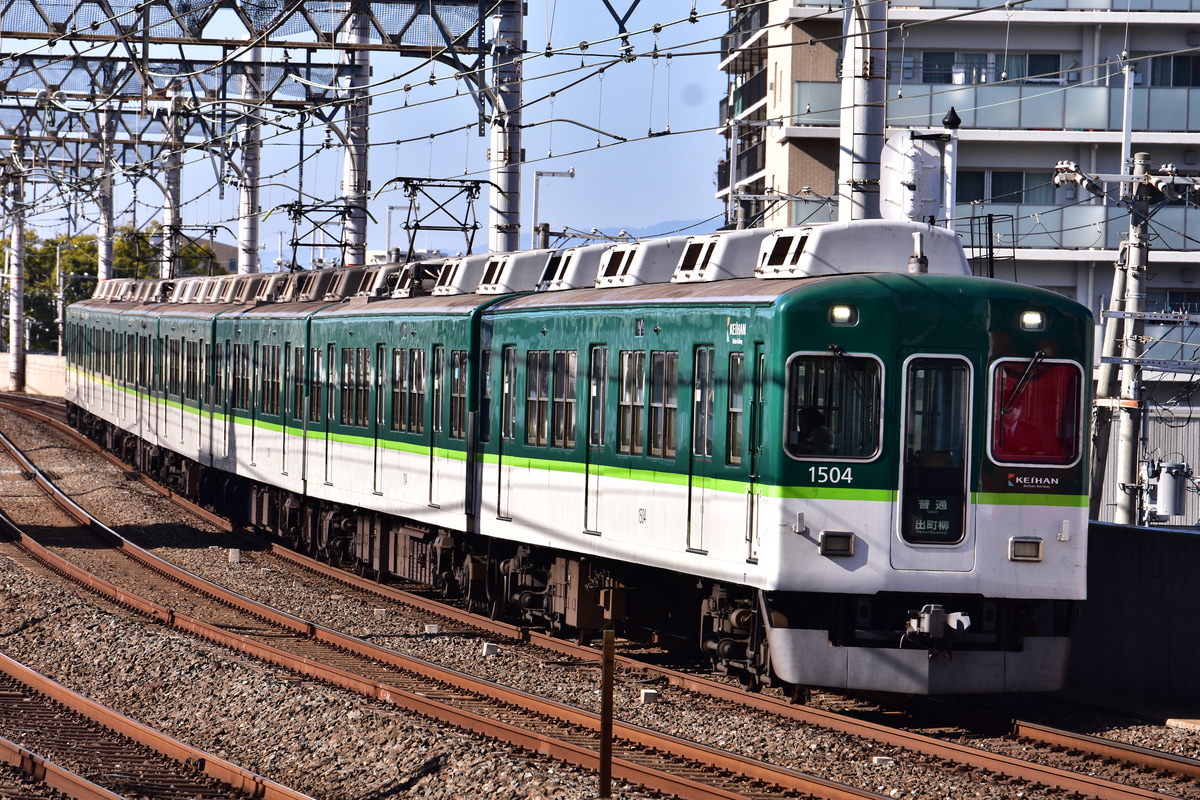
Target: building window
(975, 68)
(1175, 71)
(1005, 186)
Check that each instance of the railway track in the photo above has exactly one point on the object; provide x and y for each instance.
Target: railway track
(1018, 771)
(154, 587)
(80, 749)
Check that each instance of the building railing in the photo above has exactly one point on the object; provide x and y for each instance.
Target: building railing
(750, 92)
(743, 28)
(1029, 107)
(1044, 5)
(1081, 227)
(750, 161)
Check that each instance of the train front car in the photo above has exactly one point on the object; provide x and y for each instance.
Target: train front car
(926, 526)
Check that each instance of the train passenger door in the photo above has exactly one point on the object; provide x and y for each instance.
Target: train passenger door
(597, 409)
(700, 474)
(437, 396)
(758, 369)
(934, 525)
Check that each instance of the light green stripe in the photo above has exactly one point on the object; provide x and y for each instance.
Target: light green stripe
(1016, 499)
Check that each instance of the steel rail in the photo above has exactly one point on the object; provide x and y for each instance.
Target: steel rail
(50, 774)
(213, 766)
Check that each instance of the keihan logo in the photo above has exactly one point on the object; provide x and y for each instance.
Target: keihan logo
(1030, 481)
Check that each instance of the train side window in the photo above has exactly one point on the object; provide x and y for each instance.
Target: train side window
(331, 382)
(736, 413)
(508, 396)
(704, 381)
(833, 406)
(1036, 412)
(598, 396)
(400, 389)
(241, 376)
(439, 376)
(537, 396)
(563, 411)
(172, 366)
(664, 402)
(458, 394)
(632, 402)
(416, 396)
(317, 390)
(298, 383)
(380, 379)
(271, 373)
(191, 369)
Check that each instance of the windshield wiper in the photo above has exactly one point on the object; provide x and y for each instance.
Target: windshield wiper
(1022, 382)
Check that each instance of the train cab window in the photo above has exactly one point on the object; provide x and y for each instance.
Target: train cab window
(664, 402)
(562, 411)
(704, 390)
(936, 419)
(833, 406)
(537, 396)
(632, 402)
(597, 396)
(458, 394)
(735, 415)
(1036, 412)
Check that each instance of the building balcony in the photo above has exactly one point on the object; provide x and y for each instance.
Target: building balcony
(1034, 108)
(750, 162)
(1044, 5)
(1081, 228)
(744, 27)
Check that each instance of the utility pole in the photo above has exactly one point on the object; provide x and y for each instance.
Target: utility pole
(251, 155)
(104, 231)
(505, 152)
(16, 286)
(355, 183)
(864, 89)
(1129, 440)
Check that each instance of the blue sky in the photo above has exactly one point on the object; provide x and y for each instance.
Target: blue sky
(646, 184)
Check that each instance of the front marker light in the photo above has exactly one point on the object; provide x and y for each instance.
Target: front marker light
(1024, 548)
(836, 543)
(843, 315)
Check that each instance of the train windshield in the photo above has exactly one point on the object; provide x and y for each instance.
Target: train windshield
(1035, 412)
(833, 406)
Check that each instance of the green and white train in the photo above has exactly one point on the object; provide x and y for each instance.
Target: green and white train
(818, 455)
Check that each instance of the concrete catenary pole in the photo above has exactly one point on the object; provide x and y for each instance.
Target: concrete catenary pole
(504, 228)
(104, 229)
(357, 65)
(171, 177)
(16, 285)
(864, 90)
(1128, 440)
(251, 155)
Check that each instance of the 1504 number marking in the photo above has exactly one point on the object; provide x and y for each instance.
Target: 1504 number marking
(831, 474)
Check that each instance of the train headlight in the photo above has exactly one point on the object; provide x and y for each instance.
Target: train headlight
(836, 543)
(1033, 321)
(843, 315)
(1024, 548)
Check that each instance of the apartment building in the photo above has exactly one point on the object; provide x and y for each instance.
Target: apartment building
(1034, 83)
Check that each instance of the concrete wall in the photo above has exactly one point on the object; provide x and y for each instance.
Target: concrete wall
(44, 374)
(1135, 636)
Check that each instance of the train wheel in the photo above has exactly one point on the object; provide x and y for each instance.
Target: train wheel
(797, 694)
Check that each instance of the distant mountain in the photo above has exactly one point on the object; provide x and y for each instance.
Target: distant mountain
(670, 228)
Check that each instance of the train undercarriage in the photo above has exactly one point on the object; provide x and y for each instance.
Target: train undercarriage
(574, 596)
